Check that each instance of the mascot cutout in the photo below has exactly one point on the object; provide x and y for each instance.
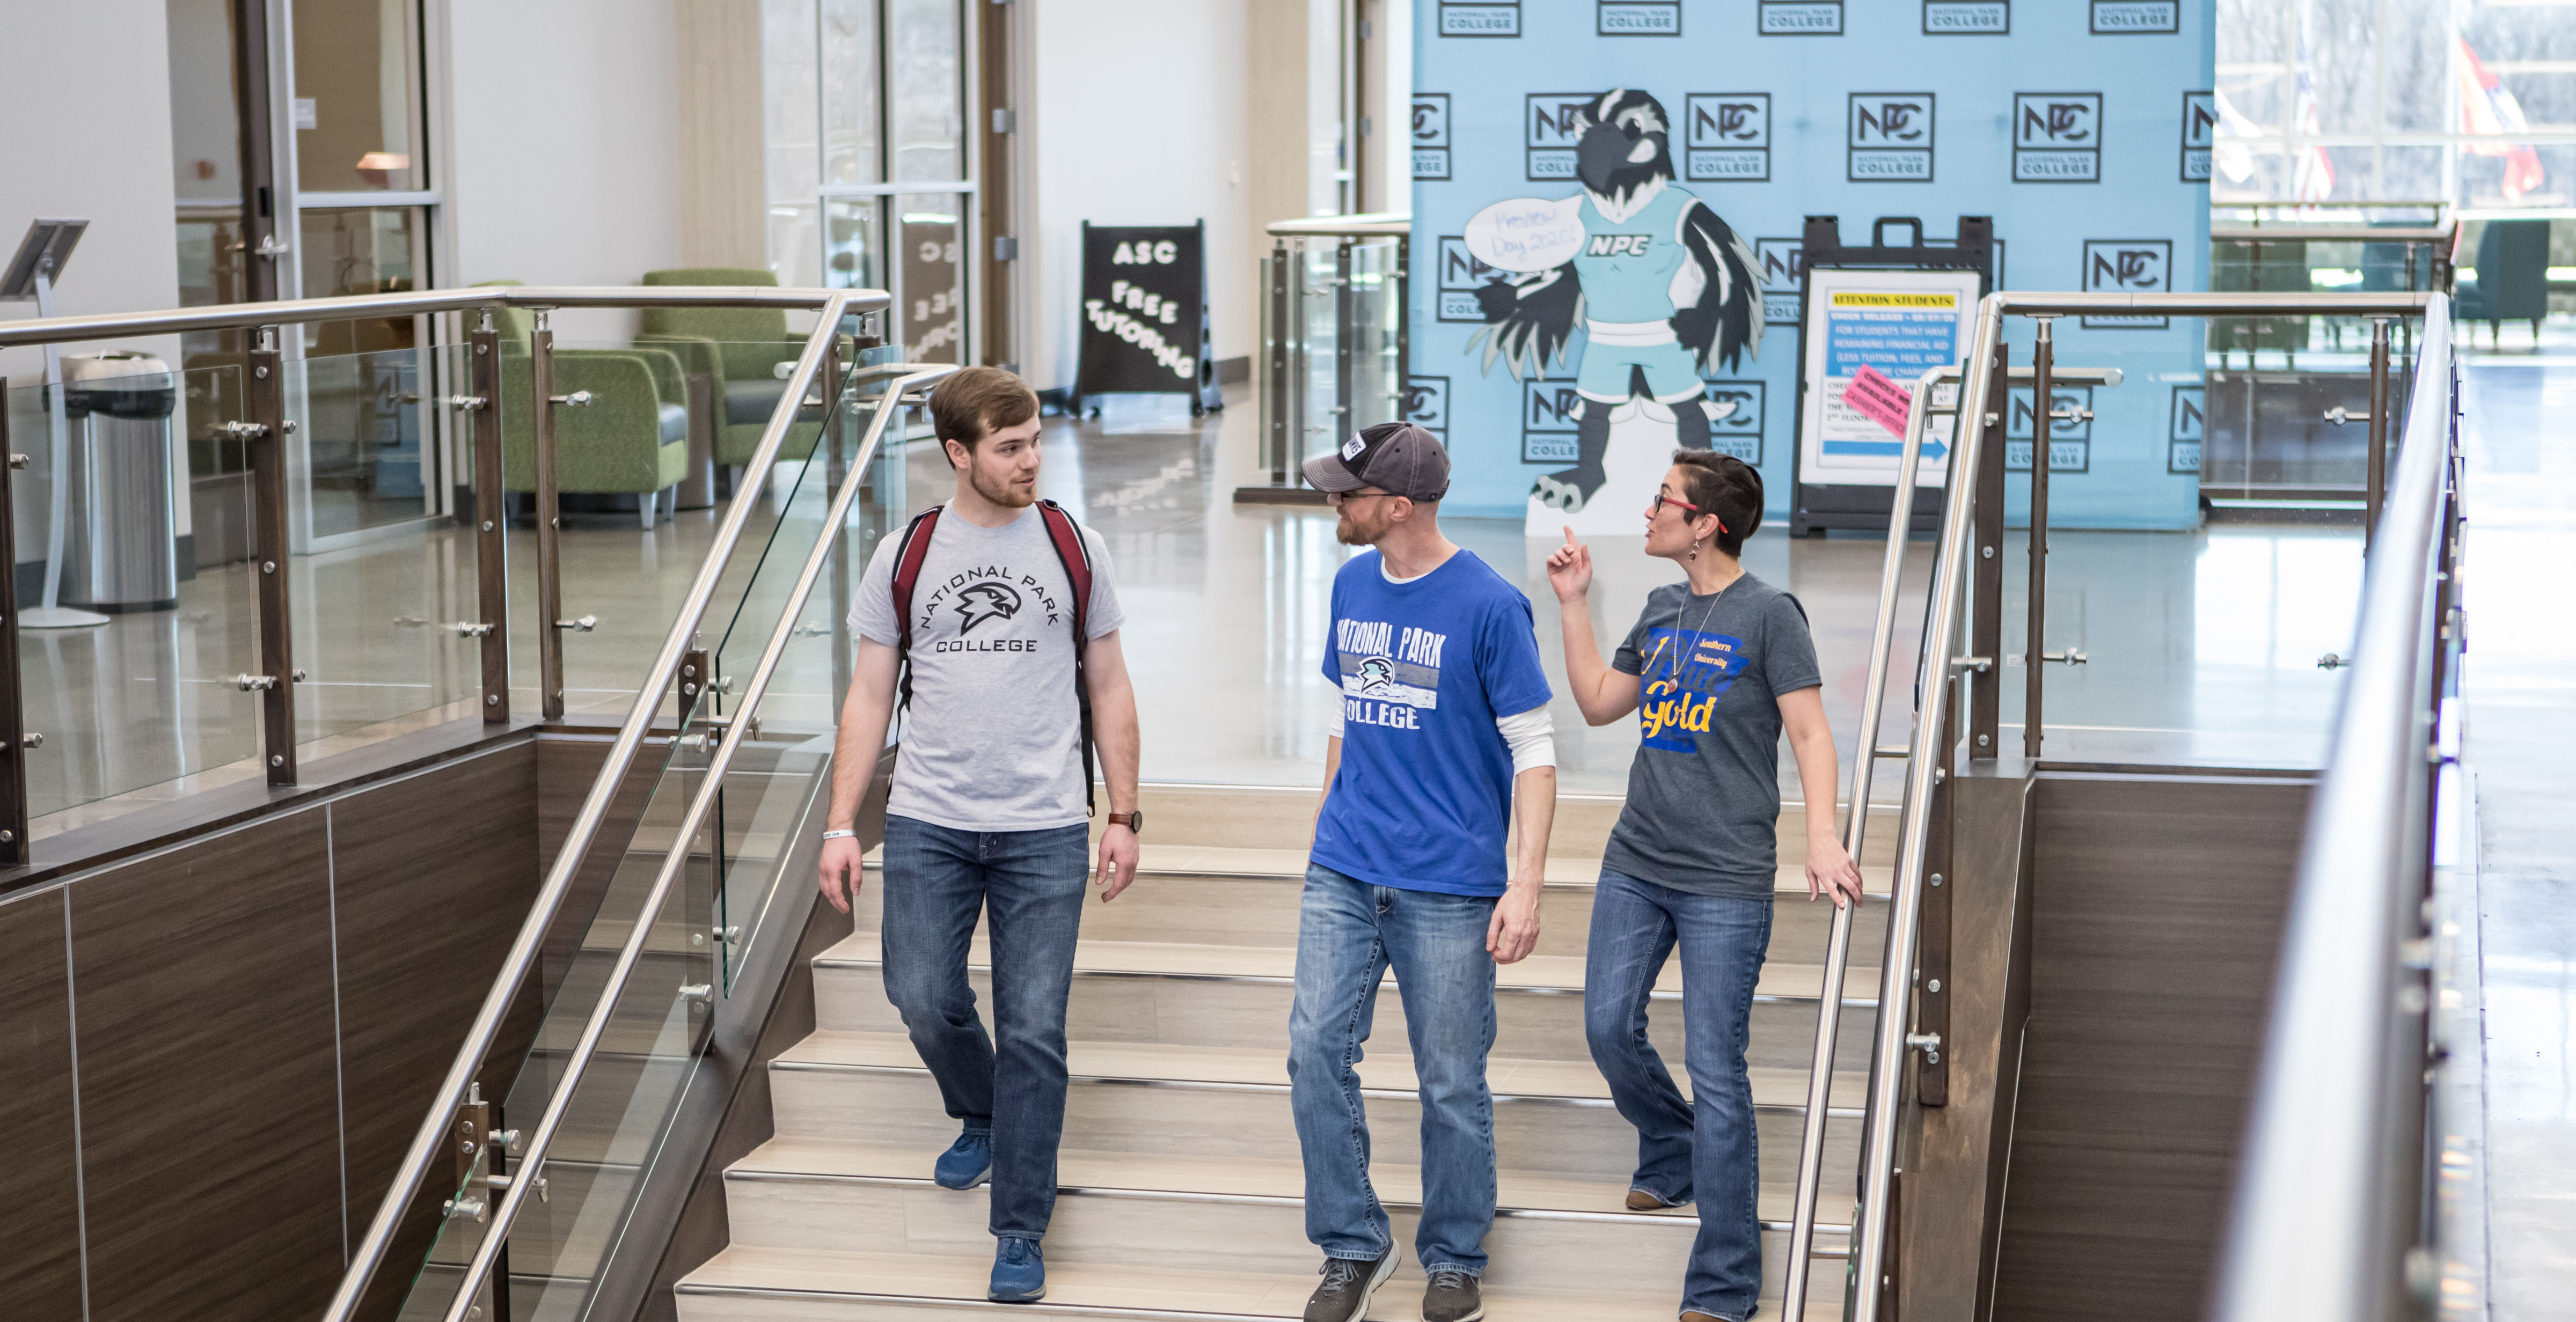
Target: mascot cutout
(1660, 286)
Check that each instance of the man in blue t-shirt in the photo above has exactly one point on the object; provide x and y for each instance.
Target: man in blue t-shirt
(1439, 721)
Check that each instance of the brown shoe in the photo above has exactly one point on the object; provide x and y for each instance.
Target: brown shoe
(1641, 1201)
(1702, 1317)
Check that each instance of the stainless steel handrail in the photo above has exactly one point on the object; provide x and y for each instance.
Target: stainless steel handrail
(2332, 234)
(2317, 1234)
(532, 1156)
(1927, 759)
(1820, 1072)
(430, 1142)
(1374, 225)
(289, 312)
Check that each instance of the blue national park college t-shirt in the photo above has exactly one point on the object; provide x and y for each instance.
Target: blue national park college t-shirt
(1425, 669)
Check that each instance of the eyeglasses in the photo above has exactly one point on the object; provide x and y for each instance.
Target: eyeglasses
(1339, 497)
(1661, 500)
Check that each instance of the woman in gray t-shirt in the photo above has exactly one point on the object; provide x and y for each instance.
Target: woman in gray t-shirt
(1716, 668)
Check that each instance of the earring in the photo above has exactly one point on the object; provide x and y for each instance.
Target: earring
(1694, 550)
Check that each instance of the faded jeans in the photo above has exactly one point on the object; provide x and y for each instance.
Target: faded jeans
(937, 880)
(1348, 934)
(1703, 1149)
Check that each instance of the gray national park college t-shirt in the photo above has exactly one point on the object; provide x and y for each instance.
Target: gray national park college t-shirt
(1703, 806)
(993, 741)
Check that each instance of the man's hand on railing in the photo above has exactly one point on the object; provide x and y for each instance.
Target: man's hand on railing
(842, 869)
(1830, 870)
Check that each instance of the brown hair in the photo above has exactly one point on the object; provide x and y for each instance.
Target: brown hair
(1727, 487)
(972, 404)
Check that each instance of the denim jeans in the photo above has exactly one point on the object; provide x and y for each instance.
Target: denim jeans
(937, 880)
(1704, 1149)
(1348, 934)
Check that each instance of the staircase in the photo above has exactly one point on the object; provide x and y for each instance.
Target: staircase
(1181, 1183)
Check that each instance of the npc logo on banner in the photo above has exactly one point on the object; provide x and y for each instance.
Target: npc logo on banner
(2127, 266)
(2125, 18)
(1431, 135)
(2183, 435)
(1890, 138)
(2070, 437)
(2199, 134)
(2057, 137)
(1460, 274)
(1480, 18)
(1425, 404)
(1638, 18)
(1549, 132)
(1739, 433)
(1784, 267)
(1967, 18)
(1726, 137)
(1551, 410)
(1801, 18)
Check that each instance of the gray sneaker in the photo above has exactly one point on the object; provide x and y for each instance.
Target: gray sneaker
(1453, 1297)
(1348, 1283)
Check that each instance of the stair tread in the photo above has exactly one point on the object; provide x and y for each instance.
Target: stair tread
(1397, 1184)
(1258, 1066)
(1074, 1285)
(1229, 861)
(1558, 973)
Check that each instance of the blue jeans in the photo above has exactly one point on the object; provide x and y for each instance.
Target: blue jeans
(1702, 1149)
(937, 880)
(1348, 933)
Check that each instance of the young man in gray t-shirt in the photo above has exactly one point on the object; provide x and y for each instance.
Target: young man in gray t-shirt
(988, 813)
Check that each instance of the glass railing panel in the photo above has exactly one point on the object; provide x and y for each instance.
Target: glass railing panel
(2269, 432)
(379, 580)
(617, 1111)
(1314, 321)
(1376, 390)
(129, 676)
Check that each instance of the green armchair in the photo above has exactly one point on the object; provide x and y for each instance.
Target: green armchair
(632, 438)
(738, 350)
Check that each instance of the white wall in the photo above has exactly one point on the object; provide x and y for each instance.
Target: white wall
(1141, 118)
(563, 155)
(85, 131)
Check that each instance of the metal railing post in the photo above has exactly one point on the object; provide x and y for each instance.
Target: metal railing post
(2043, 419)
(491, 550)
(1275, 388)
(15, 743)
(2378, 485)
(1986, 598)
(1403, 319)
(266, 391)
(1345, 342)
(549, 514)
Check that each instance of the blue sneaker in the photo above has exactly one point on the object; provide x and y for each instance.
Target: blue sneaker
(967, 1162)
(1019, 1273)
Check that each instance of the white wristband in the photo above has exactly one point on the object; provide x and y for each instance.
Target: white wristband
(840, 835)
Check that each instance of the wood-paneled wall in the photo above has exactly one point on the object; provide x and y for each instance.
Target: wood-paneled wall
(217, 1053)
(2158, 903)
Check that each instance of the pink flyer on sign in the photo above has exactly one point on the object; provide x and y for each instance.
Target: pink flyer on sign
(1882, 401)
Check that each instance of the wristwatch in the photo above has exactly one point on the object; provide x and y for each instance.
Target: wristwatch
(1133, 821)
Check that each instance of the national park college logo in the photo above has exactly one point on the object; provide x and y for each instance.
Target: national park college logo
(987, 595)
(1686, 673)
(1390, 676)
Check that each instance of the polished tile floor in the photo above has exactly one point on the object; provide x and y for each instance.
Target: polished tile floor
(2518, 678)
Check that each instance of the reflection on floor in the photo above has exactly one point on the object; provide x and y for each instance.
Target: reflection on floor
(2203, 646)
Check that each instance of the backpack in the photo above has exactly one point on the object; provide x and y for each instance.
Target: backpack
(1070, 551)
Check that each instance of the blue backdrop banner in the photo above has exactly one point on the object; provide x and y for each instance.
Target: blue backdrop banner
(1609, 197)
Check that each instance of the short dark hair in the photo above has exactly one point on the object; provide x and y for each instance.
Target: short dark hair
(977, 401)
(1727, 487)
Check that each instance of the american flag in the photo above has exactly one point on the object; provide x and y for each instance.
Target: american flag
(2312, 174)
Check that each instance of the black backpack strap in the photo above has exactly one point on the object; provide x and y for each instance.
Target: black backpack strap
(1074, 554)
(908, 555)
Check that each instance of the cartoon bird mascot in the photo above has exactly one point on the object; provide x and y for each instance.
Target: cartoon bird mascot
(1660, 285)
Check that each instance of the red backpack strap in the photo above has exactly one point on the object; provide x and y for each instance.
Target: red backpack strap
(1075, 555)
(908, 555)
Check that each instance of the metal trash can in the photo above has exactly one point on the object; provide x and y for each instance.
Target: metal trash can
(120, 535)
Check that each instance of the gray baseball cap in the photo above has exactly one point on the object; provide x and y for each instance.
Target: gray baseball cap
(1395, 457)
